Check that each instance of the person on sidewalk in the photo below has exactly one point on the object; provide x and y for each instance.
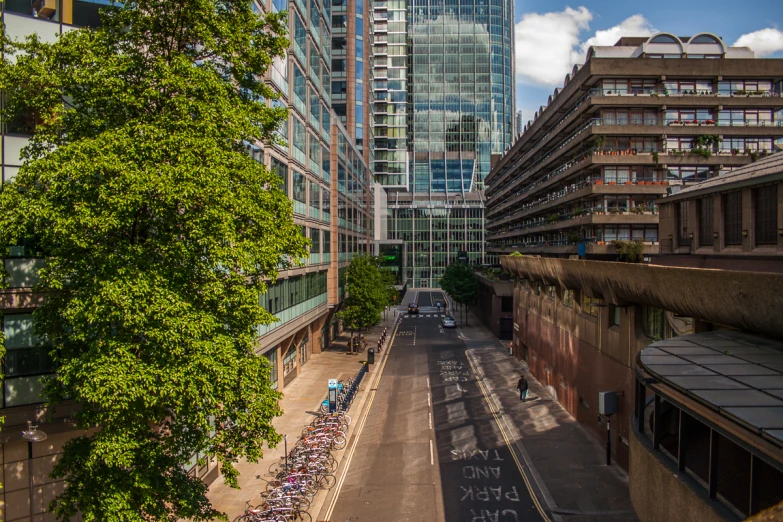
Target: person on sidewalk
(522, 387)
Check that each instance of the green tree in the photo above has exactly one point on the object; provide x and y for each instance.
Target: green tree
(159, 232)
(369, 290)
(461, 283)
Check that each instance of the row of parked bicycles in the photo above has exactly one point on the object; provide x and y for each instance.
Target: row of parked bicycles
(309, 467)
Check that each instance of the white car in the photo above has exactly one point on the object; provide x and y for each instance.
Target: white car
(449, 322)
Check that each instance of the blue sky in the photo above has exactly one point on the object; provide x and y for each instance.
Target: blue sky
(551, 35)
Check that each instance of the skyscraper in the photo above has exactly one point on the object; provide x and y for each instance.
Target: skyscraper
(459, 113)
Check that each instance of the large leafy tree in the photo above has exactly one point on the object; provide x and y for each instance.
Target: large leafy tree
(369, 290)
(461, 283)
(160, 232)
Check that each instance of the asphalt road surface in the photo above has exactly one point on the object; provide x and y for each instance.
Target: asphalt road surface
(431, 449)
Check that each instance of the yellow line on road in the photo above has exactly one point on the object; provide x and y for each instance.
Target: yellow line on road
(507, 441)
(360, 427)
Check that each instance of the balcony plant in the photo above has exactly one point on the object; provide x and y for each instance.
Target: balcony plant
(551, 218)
(614, 210)
(629, 251)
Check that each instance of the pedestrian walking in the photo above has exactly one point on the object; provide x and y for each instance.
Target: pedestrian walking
(522, 387)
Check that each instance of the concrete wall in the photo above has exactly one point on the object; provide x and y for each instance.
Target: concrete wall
(652, 482)
(576, 355)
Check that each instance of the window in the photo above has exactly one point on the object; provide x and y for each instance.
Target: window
(281, 169)
(614, 315)
(588, 305)
(568, 298)
(506, 304)
(315, 195)
(732, 218)
(25, 361)
(766, 215)
(659, 324)
(300, 189)
(271, 357)
(289, 362)
(315, 241)
(682, 224)
(550, 291)
(654, 323)
(706, 218)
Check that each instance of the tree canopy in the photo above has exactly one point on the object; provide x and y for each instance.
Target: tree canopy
(369, 290)
(159, 233)
(461, 283)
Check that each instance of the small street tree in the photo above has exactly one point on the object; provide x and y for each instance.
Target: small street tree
(369, 291)
(159, 233)
(461, 283)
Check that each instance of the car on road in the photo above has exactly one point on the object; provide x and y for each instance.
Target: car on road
(449, 322)
(413, 308)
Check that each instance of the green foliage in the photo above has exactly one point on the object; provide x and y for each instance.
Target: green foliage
(574, 235)
(461, 283)
(516, 254)
(629, 251)
(160, 233)
(703, 145)
(551, 218)
(369, 290)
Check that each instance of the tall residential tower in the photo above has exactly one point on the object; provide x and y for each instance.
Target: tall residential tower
(435, 147)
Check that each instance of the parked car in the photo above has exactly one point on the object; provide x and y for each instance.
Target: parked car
(449, 322)
(413, 308)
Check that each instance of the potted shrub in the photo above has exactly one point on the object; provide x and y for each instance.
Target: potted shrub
(611, 183)
(629, 183)
(614, 210)
(598, 182)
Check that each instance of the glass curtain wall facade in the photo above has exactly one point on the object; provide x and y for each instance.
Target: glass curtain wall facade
(460, 112)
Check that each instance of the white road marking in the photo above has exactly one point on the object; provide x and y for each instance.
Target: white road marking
(428, 382)
(429, 399)
(430, 419)
(432, 457)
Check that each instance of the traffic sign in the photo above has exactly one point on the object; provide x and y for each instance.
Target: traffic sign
(332, 384)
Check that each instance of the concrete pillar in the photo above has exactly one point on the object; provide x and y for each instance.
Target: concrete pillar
(747, 220)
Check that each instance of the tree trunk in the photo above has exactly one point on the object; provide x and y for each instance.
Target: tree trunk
(350, 343)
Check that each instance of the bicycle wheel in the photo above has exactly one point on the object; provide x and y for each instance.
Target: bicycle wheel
(303, 516)
(338, 442)
(327, 481)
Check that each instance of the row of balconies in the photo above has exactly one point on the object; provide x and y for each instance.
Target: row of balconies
(589, 129)
(595, 157)
(595, 98)
(585, 189)
(594, 216)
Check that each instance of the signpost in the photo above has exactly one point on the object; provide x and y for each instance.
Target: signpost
(332, 395)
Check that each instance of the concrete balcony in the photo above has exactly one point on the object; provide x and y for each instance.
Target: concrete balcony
(588, 190)
(572, 249)
(609, 218)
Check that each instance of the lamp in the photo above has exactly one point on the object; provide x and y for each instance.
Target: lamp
(690, 236)
(780, 231)
(715, 235)
(31, 434)
(744, 233)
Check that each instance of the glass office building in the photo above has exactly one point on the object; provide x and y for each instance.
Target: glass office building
(459, 113)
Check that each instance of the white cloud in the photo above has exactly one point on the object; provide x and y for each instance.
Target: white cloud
(544, 43)
(764, 41)
(635, 25)
(548, 44)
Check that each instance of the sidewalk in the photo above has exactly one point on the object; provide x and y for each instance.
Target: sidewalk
(565, 463)
(300, 400)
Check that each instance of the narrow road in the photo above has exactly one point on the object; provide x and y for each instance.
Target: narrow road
(431, 449)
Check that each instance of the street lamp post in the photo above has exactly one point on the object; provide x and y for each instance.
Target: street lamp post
(31, 434)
